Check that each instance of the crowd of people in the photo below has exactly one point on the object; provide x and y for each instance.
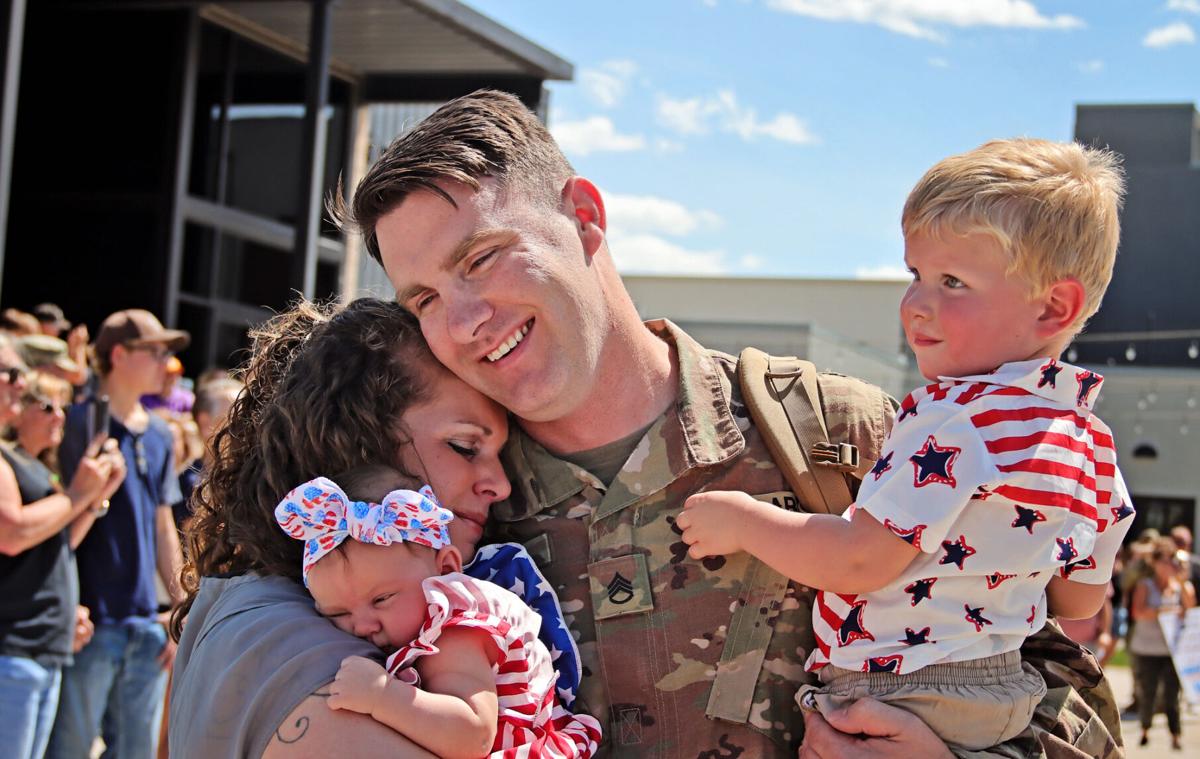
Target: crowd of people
(103, 444)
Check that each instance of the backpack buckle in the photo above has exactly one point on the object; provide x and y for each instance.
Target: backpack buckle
(841, 456)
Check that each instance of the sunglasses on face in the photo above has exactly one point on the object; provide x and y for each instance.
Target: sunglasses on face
(157, 352)
(45, 406)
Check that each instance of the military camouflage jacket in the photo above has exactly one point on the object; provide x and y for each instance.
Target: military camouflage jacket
(652, 623)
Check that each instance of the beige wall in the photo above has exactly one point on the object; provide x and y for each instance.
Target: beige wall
(861, 311)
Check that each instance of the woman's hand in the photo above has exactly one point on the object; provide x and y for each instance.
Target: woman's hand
(869, 729)
(358, 685)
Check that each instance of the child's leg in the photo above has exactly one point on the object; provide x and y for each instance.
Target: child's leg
(971, 705)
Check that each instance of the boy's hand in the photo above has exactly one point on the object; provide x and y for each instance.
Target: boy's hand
(358, 685)
(711, 522)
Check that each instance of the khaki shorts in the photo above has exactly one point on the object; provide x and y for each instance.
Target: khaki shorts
(971, 705)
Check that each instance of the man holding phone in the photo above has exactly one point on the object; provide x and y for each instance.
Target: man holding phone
(118, 679)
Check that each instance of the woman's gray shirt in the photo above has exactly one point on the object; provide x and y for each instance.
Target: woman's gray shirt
(252, 649)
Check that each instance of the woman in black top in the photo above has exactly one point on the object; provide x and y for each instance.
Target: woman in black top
(40, 524)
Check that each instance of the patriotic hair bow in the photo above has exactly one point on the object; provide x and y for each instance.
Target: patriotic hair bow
(321, 515)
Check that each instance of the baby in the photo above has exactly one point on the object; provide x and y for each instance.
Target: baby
(997, 493)
(467, 675)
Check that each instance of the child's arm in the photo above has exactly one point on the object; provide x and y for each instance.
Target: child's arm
(454, 713)
(818, 550)
(1074, 600)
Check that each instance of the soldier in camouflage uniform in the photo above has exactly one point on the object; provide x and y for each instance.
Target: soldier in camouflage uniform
(500, 251)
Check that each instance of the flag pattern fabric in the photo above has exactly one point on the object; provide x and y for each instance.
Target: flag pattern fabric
(532, 720)
(1002, 481)
(511, 567)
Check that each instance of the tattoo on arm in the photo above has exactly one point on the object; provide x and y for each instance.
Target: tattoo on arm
(298, 729)
(300, 726)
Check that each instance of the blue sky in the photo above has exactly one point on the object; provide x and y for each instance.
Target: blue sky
(780, 137)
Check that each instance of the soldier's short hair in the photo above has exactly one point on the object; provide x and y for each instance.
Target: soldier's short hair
(1053, 207)
(484, 134)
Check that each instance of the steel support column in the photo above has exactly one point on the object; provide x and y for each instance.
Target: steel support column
(186, 108)
(8, 113)
(308, 220)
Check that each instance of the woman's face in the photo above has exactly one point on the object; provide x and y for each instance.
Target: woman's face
(456, 440)
(40, 424)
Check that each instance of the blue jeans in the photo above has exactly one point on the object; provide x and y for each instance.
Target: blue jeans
(116, 682)
(28, 701)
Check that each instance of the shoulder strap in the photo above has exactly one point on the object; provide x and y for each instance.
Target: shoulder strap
(783, 399)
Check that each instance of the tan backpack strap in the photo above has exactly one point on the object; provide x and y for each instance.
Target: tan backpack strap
(782, 397)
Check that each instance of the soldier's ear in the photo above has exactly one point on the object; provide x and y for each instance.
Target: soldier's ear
(584, 205)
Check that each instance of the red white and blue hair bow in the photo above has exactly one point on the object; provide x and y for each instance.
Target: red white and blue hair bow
(319, 513)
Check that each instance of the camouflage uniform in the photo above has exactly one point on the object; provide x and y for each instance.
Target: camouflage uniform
(652, 624)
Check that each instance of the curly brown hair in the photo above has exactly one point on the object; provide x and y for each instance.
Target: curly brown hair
(325, 388)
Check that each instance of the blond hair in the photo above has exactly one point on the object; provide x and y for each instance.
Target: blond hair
(1053, 207)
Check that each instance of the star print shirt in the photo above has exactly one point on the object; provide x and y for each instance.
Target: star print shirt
(532, 721)
(1001, 480)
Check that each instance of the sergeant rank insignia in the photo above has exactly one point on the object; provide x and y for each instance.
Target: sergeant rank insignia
(620, 590)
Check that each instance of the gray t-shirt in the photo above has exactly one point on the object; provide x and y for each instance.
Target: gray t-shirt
(253, 648)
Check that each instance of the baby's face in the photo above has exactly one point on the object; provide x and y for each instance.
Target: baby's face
(374, 592)
(964, 313)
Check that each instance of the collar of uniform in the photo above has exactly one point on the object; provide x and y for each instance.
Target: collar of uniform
(539, 479)
(710, 433)
(1049, 378)
(700, 418)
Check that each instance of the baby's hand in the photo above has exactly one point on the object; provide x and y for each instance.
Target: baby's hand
(358, 685)
(711, 522)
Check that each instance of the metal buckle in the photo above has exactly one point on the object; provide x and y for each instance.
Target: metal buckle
(841, 456)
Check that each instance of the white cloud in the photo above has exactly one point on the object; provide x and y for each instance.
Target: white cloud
(650, 254)
(663, 145)
(608, 83)
(920, 18)
(595, 134)
(631, 214)
(1186, 6)
(1178, 33)
(751, 262)
(938, 63)
(1094, 66)
(722, 111)
(882, 271)
(638, 230)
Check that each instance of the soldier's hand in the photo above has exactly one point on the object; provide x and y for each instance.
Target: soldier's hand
(869, 729)
(711, 522)
(358, 685)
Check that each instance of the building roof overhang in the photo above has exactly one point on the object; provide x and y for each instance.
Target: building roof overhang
(386, 45)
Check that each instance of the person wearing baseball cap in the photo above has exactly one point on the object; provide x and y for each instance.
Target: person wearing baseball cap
(51, 319)
(119, 557)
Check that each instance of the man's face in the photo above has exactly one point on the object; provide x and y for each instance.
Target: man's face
(507, 296)
(141, 367)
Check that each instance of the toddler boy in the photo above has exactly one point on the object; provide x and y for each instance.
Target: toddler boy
(997, 496)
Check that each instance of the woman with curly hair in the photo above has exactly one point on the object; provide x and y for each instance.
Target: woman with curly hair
(327, 389)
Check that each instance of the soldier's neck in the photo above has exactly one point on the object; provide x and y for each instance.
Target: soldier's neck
(636, 383)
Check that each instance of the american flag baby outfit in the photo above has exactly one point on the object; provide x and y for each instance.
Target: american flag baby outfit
(1001, 480)
(532, 720)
